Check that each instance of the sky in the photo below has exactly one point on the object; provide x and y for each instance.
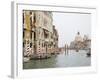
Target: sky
(68, 24)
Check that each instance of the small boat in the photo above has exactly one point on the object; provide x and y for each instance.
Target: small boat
(26, 59)
(89, 53)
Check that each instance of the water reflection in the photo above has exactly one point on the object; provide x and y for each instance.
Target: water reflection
(72, 59)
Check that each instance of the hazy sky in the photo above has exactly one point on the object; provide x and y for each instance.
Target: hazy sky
(68, 24)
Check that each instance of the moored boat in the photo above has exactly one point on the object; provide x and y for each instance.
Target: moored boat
(26, 59)
(89, 53)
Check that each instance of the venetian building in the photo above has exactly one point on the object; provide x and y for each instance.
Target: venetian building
(38, 33)
(78, 37)
(27, 33)
(72, 45)
(86, 42)
(81, 42)
(44, 29)
(78, 41)
(75, 44)
(55, 40)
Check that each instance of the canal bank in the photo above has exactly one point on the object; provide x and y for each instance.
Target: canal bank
(72, 59)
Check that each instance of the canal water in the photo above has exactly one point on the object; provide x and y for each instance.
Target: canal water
(71, 59)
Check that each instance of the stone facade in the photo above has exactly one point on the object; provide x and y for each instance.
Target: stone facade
(40, 38)
(80, 42)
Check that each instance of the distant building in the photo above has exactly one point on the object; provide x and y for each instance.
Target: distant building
(40, 38)
(86, 42)
(78, 37)
(72, 45)
(80, 42)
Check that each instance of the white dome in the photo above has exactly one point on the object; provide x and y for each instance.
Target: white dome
(78, 37)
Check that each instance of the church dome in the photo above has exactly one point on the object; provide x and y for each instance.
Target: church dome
(78, 37)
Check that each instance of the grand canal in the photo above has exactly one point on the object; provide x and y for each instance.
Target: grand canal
(71, 59)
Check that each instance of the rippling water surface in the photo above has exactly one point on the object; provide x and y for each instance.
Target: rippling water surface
(72, 59)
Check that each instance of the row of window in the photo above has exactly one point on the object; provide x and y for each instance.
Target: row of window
(43, 44)
(34, 33)
(47, 45)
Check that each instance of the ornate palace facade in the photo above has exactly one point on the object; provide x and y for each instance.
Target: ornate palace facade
(40, 38)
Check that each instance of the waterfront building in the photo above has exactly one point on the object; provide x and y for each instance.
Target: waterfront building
(72, 45)
(78, 37)
(86, 42)
(80, 42)
(40, 38)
